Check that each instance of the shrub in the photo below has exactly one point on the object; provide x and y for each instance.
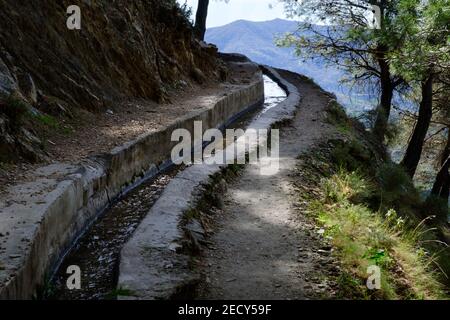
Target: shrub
(14, 108)
(397, 189)
(350, 155)
(186, 11)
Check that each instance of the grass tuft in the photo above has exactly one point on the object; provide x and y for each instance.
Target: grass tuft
(364, 238)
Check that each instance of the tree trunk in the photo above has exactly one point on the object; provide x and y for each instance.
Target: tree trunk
(200, 19)
(415, 146)
(387, 93)
(441, 186)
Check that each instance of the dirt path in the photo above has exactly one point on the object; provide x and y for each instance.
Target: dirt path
(262, 248)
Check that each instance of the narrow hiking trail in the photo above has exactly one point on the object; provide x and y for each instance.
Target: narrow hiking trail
(262, 247)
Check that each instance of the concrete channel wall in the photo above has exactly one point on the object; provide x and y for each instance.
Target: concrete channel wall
(44, 217)
(155, 262)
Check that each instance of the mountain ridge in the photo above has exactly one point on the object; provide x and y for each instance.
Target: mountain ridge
(256, 39)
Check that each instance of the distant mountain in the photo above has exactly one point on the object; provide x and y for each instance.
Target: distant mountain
(257, 41)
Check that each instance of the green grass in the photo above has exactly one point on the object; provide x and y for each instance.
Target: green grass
(47, 120)
(364, 237)
(52, 124)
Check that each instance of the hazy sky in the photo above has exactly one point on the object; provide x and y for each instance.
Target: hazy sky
(221, 13)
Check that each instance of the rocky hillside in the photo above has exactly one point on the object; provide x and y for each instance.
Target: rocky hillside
(124, 49)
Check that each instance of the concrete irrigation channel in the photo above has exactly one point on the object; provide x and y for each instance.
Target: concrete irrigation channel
(97, 251)
(43, 217)
(156, 263)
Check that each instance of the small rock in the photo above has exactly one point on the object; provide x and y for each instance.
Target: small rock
(175, 247)
(198, 75)
(324, 263)
(195, 226)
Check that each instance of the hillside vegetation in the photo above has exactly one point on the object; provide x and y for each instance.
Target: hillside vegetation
(370, 211)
